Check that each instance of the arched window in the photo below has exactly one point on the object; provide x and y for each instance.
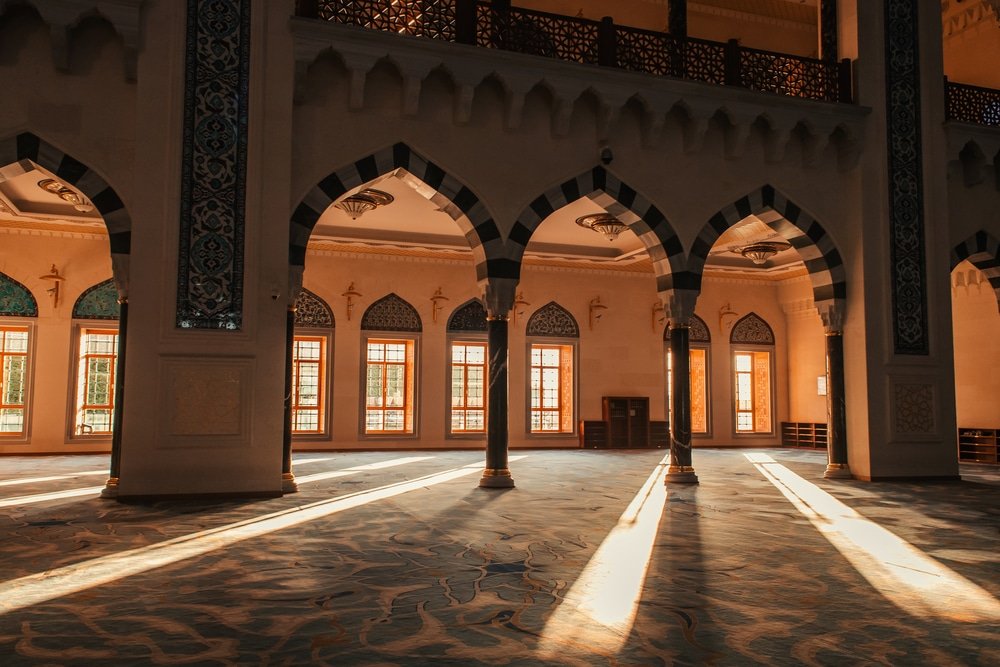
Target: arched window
(552, 337)
(18, 309)
(700, 340)
(752, 345)
(311, 351)
(467, 372)
(95, 315)
(391, 328)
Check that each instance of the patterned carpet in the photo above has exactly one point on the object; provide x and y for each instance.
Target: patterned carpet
(397, 558)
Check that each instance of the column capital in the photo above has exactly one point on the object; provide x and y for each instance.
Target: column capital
(499, 296)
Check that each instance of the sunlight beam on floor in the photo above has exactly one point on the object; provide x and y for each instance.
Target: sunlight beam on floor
(37, 588)
(600, 607)
(52, 478)
(356, 469)
(54, 495)
(905, 575)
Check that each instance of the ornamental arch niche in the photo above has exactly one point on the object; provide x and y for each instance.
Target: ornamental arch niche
(98, 302)
(552, 320)
(620, 200)
(698, 331)
(427, 179)
(27, 156)
(391, 313)
(751, 329)
(982, 250)
(795, 226)
(311, 311)
(470, 317)
(16, 300)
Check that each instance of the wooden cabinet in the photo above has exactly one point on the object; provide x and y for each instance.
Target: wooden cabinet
(627, 418)
(978, 445)
(804, 434)
(593, 434)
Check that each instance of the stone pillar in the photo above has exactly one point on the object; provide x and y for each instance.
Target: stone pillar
(828, 29)
(497, 474)
(836, 402)
(680, 470)
(288, 484)
(111, 486)
(677, 18)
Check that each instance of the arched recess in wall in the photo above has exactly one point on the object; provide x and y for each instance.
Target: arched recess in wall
(391, 313)
(311, 368)
(812, 243)
(428, 179)
(16, 300)
(98, 302)
(698, 331)
(311, 311)
(751, 329)
(470, 317)
(620, 200)
(552, 334)
(552, 320)
(982, 250)
(22, 152)
(752, 344)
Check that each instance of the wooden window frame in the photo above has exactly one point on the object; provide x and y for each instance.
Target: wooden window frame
(79, 387)
(753, 350)
(410, 390)
(13, 325)
(568, 405)
(449, 408)
(322, 406)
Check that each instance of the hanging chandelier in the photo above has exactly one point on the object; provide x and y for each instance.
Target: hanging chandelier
(604, 223)
(760, 252)
(79, 202)
(361, 202)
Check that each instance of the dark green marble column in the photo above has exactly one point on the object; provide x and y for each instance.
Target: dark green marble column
(288, 484)
(680, 470)
(836, 407)
(111, 486)
(497, 474)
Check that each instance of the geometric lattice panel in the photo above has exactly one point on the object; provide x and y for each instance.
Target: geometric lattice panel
(99, 302)
(553, 320)
(468, 317)
(312, 311)
(16, 300)
(751, 329)
(391, 313)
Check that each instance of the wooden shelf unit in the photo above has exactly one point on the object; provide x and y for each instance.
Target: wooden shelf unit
(804, 434)
(978, 445)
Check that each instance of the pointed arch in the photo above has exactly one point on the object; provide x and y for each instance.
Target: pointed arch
(28, 146)
(982, 250)
(751, 329)
(552, 320)
(469, 317)
(391, 313)
(98, 302)
(16, 300)
(816, 248)
(620, 200)
(698, 331)
(437, 185)
(312, 311)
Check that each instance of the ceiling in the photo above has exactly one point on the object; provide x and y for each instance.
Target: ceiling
(24, 203)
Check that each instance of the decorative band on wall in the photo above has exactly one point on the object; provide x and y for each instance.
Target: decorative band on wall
(906, 192)
(213, 179)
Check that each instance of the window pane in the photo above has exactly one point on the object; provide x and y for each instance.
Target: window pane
(743, 363)
(373, 420)
(699, 391)
(550, 357)
(458, 354)
(476, 354)
(458, 420)
(373, 386)
(15, 341)
(11, 420)
(376, 352)
(395, 352)
(394, 420)
(395, 385)
(536, 356)
(457, 386)
(475, 420)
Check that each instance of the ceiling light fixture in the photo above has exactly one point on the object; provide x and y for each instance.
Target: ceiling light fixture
(78, 201)
(605, 223)
(364, 201)
(760, 252)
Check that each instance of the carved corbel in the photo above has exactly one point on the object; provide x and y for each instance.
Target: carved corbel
(464, 95)
(776, 143)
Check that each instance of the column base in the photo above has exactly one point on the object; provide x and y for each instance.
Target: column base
(838, 471)
(496, 478)
(110, 489)
(288, 484)
(680, 475)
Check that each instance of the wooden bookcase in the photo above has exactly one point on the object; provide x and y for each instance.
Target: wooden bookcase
(978, 445)
(628, 420)
(804, 434)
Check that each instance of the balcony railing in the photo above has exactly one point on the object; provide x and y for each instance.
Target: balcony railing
(496, 25)
(972, 104)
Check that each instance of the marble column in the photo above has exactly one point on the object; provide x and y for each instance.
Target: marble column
(288, 484)
(497, 474)
(110, 489)
(680, 470)
(836, 466)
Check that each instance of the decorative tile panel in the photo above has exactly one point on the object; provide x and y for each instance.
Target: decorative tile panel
(312, 311)
(553, 320)
(16, 300)
(213, 191)
(751, 329)
(391, 313)
(914, 405)
(99, 302)
(470, 316)
(906, 197)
